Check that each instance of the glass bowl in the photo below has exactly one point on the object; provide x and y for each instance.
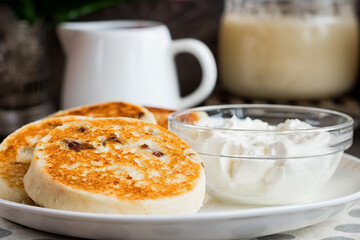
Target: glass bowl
(265, 154)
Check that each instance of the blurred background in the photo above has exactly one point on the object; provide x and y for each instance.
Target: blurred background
(31, 79)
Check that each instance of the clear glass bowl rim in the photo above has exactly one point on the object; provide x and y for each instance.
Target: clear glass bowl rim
(348, 120)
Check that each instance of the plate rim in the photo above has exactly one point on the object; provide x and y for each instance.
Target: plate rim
(218, 215)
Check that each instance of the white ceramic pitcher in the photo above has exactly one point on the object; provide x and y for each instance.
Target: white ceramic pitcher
(129, 61)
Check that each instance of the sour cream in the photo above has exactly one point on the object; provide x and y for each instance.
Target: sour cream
(259, 163)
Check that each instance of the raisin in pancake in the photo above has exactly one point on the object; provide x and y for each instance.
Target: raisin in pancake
(110, 109)
(161, 115)
(16, 153)
(116, 165)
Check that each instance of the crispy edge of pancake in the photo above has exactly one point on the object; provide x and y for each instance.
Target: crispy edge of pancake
(13, 169)
(110, 109)
(161, 115)
(67, 197)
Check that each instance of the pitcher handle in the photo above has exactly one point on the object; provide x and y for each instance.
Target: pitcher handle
(208, 68)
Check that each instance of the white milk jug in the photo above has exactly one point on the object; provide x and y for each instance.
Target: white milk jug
(129, 61)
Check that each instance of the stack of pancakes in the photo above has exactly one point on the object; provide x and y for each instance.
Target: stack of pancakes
(105, 158)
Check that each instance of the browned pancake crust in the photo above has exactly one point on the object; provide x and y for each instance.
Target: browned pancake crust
(189, 118)
(12, 170)
(161, 115)
(108, 109)
(103, 176)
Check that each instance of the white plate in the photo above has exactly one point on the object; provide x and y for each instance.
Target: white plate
(214, 221)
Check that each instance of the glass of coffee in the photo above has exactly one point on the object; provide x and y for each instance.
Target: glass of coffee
(288, 49)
